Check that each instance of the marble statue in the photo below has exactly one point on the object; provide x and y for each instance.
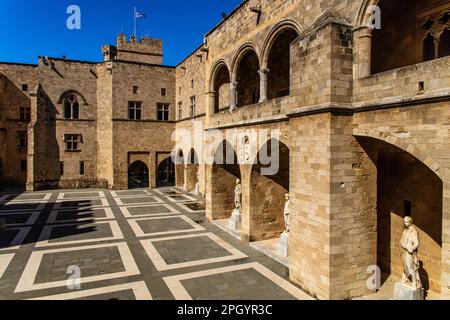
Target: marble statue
(286, 212)
(410, 245)
(197, 185)
(235, 220)
(238, 196)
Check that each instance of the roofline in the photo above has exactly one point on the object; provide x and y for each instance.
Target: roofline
(140, 63)
(20, 64)
(227, 17)
(189, 55)
(68, 60)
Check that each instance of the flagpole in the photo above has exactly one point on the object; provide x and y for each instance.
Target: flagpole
(134, 17)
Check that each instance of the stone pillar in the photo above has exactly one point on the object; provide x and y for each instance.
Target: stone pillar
(445, 280)
(263, 84)
(212, 102)
(364, 52)
(233, 96)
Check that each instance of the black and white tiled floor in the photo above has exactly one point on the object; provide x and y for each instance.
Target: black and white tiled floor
(126, 245)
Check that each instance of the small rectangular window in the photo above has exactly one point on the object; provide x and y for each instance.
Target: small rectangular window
(23, 165)
(61, 168)
(163, 92)
(163, 112)
(25, 114)
(135, 110)
(23, 139)
(81, 168)
(180, 110)
(135, 89)
(193, 108)
(24, 87)
(72, 142)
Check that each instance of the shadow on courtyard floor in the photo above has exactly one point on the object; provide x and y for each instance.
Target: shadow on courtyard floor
(17, 217)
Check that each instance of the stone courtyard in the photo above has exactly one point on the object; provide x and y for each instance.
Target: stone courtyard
(139, 244)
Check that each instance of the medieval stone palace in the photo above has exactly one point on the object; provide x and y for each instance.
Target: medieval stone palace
(355, 94)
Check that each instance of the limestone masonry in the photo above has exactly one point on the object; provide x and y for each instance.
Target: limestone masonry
(363, 116)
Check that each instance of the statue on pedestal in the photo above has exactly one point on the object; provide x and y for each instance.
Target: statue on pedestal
(235, 221)
(238, 196)
(287, 212)
(283, 244)
(197, 185)
(410, 245)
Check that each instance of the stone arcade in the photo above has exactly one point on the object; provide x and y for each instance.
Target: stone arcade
(364, 121)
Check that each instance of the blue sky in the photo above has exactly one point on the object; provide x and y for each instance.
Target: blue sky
(31, 28)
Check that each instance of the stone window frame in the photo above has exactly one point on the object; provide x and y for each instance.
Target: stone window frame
(163, 112)
(163, 92)
(72, 142)
(180, 110)
(25, 113)
(135, 110)
(193, 107)
(82, 168)
(71, 107)
(22, 137)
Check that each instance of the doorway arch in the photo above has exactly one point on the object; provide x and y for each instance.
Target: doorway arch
(166, 173)
(138, 175)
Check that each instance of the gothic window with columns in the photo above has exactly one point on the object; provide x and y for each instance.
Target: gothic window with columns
(71, 107)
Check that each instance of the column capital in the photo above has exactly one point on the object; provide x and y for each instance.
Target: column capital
(263, 71)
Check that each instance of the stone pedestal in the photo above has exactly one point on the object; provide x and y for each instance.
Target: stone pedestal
(197, 189)
(235, 221)
(283, 245)
(404, 292)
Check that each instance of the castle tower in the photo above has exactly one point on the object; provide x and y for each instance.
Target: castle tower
(146, 50)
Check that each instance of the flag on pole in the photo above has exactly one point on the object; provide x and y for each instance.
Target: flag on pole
(140, 15)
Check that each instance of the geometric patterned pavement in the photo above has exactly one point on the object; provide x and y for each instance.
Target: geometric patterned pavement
(128, 245)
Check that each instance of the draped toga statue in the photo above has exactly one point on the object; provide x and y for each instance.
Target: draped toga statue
(238, 196)
(410, 245)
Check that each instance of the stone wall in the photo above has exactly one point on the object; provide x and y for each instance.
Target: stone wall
(13, 98)
(147, 135)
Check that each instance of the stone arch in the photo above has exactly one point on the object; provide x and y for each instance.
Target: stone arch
(405, 146)
(444, 43)
(277, 59)
(400, 180)
(399, 41)
(138, 175)
(75, 92)
(72, 103)
(363, 14)
(220, 85)
(272, 37)
(245, 69)
(267, 191)
(238, 57)
(224, 172)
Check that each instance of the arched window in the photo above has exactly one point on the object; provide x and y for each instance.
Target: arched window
(429, 48)
(444, 44)
(71, 107)
(222, 88)
(248, 79)
(279, 65)
(408, 33)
